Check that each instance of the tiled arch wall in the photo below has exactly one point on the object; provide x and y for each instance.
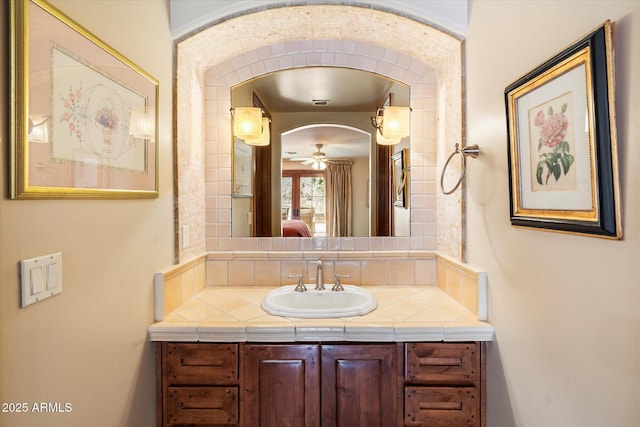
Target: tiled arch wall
(211, 61)
(333, 53)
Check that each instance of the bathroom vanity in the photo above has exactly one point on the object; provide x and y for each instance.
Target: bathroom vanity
(321, 384)
(417, 360)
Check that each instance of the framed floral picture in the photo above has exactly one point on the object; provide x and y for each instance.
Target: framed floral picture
(563, 171)
(400, 178)
(83, 116)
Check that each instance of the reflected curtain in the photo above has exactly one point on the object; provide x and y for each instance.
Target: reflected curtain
(339, 206)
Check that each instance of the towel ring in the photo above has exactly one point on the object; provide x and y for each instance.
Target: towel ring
(471, 151)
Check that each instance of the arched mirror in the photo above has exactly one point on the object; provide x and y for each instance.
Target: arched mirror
(322, 174)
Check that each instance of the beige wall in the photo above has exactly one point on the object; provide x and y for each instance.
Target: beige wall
(89, 346)
(567, 350)
(565, 308)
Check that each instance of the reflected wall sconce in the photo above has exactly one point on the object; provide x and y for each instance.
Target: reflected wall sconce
(142, 123)
(38, 128)
(393, 124)
(250, 126)
(263, 139)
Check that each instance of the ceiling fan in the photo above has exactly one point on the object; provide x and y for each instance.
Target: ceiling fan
(318, 160)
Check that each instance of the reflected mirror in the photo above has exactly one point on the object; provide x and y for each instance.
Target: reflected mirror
(322, 174)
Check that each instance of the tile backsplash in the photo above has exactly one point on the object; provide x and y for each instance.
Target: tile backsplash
(276, 268)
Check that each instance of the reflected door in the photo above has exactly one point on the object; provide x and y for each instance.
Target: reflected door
(303, 198)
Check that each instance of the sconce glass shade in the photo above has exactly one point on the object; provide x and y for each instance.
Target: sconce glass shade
(38, 128)
(247, 122)
(396, 122)
(264, 138)
(142, 123)
(381, 140)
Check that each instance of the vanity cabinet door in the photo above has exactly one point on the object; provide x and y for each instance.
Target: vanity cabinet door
(359, 385)
(281, 386)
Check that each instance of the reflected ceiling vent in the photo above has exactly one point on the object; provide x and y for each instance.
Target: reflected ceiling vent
(320, 102)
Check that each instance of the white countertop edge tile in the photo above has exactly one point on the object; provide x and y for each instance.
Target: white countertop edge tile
(319, 338)
(473, 331)
(213, 337)
(419, 331)
(373, 332)
(265, 332)
(221, 332)
(173, 336)
(371, 337)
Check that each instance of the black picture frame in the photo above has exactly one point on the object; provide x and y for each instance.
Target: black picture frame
(562, 144)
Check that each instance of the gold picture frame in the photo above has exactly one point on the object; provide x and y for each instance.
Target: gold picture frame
(563, 170)
(83, 117)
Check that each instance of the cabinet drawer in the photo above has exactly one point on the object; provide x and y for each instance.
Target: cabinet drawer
(441, 406)
(442, 363)
(202, 405)
(201, 364)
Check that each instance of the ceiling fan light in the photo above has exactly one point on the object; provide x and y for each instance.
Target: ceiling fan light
(319, 165)
(263, 140)
(247, 122)
(396, 122)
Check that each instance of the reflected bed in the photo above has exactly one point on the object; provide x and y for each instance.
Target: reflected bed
(295, 228)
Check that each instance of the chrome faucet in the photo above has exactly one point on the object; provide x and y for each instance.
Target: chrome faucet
(338, 286)
(300, 287)
(319, 277)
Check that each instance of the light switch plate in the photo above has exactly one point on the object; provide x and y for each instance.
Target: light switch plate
(40, 278)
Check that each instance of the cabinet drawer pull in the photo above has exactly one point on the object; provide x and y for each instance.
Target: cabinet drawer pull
(214, 404)
(201, 362)
(441, 406)
(440, 361)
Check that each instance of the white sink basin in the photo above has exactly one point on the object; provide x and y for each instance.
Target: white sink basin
(353, 301)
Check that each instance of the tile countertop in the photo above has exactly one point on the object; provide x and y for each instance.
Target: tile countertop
(404, 313)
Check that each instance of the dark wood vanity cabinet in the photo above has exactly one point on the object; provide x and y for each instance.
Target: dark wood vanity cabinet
(281, 384)
(321, 385)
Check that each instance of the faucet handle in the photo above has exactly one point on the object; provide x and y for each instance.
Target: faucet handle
(300, 287)
(338, 286)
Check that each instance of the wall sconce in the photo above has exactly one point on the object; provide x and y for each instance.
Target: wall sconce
(393, 124)
(263, 140)
(142, 123)
(381, 140)
(38, 128)
(250, 126)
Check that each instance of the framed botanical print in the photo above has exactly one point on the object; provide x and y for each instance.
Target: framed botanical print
(563, 172)
(400, 178)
